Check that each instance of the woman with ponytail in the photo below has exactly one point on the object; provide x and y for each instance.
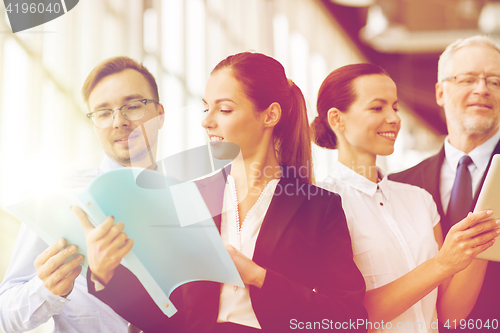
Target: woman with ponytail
(412, 276)
(279, 229)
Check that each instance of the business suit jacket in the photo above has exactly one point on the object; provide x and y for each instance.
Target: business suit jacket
(427, 175)
(303, 243)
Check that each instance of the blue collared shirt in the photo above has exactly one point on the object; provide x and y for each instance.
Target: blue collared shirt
(24, 301)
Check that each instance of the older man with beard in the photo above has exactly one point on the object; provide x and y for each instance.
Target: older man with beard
(468, 89)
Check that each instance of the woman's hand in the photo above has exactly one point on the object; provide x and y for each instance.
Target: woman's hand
(250, 272)
(466, 240)
(106, 245)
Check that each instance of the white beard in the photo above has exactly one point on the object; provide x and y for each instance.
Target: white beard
(477, 125)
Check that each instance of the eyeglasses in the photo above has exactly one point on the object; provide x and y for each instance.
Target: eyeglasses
(132, 111)
(467, 80)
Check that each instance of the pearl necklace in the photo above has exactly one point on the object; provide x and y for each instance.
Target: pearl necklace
(239, 226)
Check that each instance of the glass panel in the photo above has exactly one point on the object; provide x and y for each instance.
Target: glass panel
(195, 39)
(151, 63)
(215, 42)
(299, 51)
(56, 51)
(150, 33)
(14, 123)
(172, 35)
(50, 153)
(280, 36)
(172, 135)
(195, 133)
(214, 6)
(113, 42)
(318, 72)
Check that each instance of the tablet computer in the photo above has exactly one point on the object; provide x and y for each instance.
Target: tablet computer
(489, 198)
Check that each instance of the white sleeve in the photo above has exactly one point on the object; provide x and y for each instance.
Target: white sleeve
(25, 303)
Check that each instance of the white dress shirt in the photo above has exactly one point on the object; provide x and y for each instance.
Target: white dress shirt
(480, 158)
(235, 303)
(24, 301)
(391, 227)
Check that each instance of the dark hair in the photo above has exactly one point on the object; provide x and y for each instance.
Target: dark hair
(264, 82)
(113, 66)
(337, 91)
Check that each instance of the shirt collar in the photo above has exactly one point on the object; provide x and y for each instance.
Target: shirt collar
(480, 155)
(353, 179)
(108, 164)
(384, 186)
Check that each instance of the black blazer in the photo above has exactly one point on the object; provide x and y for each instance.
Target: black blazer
(427, 175)
(303, 243)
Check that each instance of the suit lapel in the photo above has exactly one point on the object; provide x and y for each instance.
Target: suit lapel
(212, 191)
(431, 179)
(285, 203)
(203, 296)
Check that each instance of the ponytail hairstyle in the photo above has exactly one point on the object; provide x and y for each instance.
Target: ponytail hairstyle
(264, 82)
(337, 91)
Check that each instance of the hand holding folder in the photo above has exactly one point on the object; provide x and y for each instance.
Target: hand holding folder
(106, 245)
(175, 238)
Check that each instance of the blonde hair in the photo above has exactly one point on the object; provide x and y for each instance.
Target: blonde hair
(116, 65)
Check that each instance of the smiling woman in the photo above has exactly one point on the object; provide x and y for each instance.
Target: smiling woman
(396, 235)
(267, 96)
(287, 238)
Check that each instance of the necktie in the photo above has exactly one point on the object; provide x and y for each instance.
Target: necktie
(461, 193)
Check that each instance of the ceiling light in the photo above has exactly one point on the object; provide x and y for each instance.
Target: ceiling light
(354, 3)
(489, 19)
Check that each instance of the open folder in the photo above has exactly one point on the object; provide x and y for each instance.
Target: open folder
(489, 198)
(175, 238)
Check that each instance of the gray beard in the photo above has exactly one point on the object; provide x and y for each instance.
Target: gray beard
(473, 125)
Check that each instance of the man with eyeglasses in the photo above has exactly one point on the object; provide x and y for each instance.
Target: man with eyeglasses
(43, 281)
(468, 89)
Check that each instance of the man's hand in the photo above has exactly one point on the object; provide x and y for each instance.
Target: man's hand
(106, 245)
(57, 275)
(250, 272)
